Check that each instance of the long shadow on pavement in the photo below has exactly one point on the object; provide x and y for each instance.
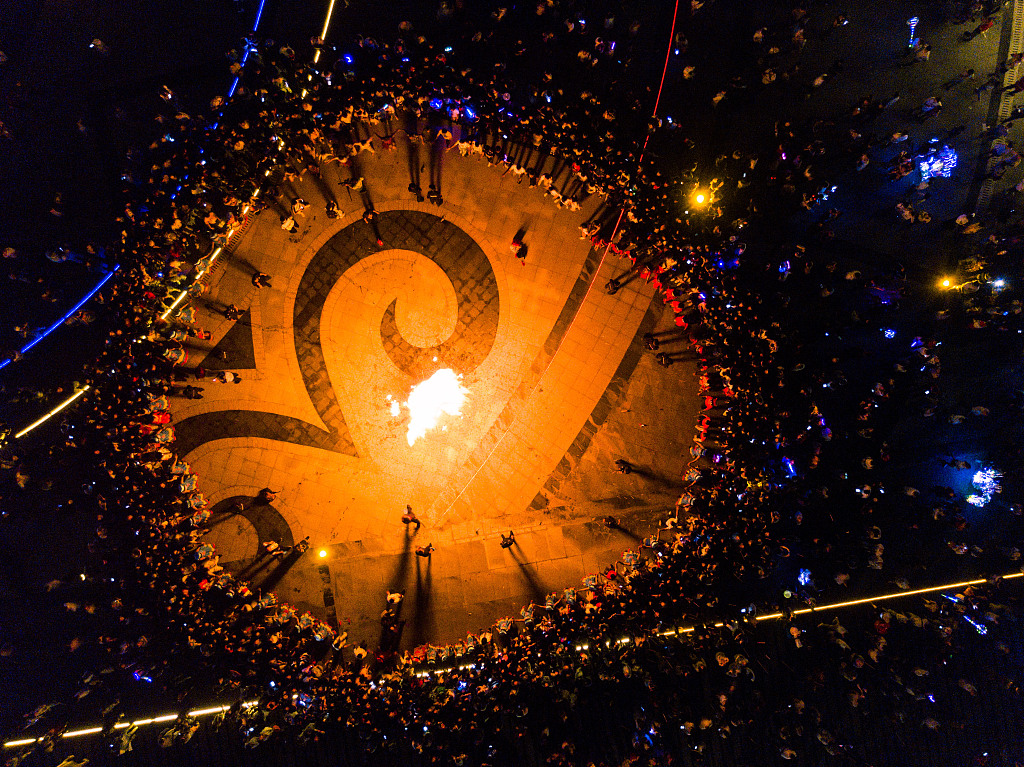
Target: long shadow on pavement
(397, 580)
(391, 637)
(274, 576)
(419, 623)
(628, 533)
(526, 569)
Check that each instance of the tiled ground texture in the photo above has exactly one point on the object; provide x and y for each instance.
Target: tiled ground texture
(559, 388)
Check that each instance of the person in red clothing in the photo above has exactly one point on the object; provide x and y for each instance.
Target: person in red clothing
(517, 248)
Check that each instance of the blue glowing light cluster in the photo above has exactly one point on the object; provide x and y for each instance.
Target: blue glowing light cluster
(986, 481)
(979, 627)
(938, 163)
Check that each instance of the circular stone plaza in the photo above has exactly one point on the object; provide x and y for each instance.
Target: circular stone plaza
(556, 389)
(577, 383)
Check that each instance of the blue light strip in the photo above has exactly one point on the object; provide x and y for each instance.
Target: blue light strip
(5, 363)
(245, 56)
(64, 319)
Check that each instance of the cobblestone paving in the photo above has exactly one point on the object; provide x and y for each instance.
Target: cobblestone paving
(350, 324)
(463, 262)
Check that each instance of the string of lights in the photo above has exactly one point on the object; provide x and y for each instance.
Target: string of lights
(678, 631)
(181, 297)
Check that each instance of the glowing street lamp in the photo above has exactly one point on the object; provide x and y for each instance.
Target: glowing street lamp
(700, 196)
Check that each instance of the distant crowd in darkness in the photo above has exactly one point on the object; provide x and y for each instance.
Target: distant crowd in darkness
(783, 446)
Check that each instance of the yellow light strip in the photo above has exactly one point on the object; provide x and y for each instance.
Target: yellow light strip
(126, 725)
(205, 711)
(216, 253)
(883, 597)
(199, 276)
(668, 632)
(178, 300)
(164, 316)
(53, 412)
(802, 611)
(897, 594)
(323, 32)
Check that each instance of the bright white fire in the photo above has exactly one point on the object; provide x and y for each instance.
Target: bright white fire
(441, 394)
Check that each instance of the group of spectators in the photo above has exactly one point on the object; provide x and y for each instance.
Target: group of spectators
(785, 457)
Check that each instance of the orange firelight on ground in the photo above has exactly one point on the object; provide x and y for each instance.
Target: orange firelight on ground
(429, 401)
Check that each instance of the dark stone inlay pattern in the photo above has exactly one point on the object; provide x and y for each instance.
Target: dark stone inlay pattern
(530, 380)
(601, 411)
(476, 290)
(197, 430)
(238, 346)
(454, 251)
(269, 523)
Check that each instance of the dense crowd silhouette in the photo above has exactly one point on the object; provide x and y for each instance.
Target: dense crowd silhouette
(788, 499)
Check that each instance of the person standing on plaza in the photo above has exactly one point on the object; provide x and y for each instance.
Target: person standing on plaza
(425, 551)
(508, 541)
(266, 495)
(409, 517)
(272, 548)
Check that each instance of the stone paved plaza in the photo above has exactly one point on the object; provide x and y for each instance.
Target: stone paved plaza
(558, 382)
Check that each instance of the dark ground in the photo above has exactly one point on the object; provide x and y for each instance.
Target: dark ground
(181, 45)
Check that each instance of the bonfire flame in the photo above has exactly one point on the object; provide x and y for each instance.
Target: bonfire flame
(441, 394)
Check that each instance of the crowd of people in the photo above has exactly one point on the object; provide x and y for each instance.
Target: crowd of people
(785, 457)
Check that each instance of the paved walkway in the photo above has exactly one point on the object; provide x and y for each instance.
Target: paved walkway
(558, 388)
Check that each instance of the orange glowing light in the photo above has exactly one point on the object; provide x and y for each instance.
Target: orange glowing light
(440, 395)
